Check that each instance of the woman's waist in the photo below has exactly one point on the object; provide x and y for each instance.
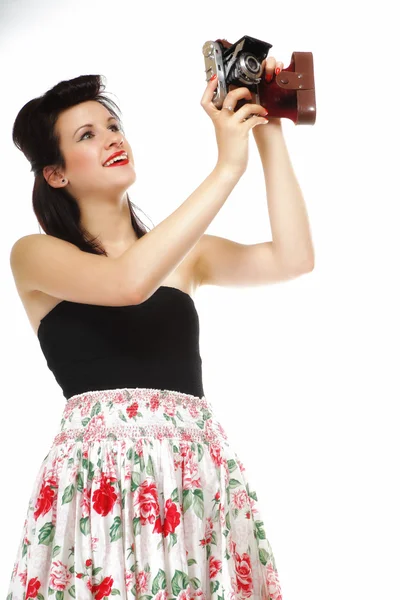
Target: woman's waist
(137, 412)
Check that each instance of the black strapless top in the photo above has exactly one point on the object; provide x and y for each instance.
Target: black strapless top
(154, 345)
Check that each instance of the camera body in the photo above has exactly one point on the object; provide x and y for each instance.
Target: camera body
(238, 65)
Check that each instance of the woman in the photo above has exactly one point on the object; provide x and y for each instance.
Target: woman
(141, 493)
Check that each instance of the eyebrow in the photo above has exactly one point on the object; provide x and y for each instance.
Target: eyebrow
(91, 124)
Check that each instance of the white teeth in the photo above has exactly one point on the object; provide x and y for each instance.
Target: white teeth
(113, 160)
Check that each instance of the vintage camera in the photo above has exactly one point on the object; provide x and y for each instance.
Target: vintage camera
(289, 95)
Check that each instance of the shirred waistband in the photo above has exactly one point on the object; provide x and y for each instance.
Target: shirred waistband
(138, 412)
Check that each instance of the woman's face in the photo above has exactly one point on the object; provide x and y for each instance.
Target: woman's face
(86, 149)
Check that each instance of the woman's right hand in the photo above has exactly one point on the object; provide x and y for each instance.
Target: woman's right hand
(232, 131)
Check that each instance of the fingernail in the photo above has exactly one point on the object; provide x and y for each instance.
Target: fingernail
(269, 77)
(213, 77)
(277, 70)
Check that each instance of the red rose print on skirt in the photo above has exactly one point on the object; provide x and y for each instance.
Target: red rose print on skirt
(132, 410)
(33, 588)
(214, 566)
(244, 580)
(45, 498)
(105, 497)
(147, 499)
(172, 517)
(103, 589)
(60, 576)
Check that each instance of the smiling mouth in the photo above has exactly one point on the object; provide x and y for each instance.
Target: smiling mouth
(118, 163)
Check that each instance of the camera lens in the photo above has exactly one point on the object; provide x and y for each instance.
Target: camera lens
(252, 64)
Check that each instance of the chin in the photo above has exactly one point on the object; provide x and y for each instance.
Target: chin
(129, 181)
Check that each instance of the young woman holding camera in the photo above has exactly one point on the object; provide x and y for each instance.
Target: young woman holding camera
(141, 491)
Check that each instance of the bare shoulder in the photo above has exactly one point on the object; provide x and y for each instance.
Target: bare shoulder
(23, 245)
(35, 303)
(31, 238)
(24, 242)
(19, 251)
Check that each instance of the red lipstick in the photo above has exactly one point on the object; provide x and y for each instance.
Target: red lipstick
(115, 155)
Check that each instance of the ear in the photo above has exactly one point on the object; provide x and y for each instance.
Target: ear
(54, 177)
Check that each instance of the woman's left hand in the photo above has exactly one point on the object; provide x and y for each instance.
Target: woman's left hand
(270, 67)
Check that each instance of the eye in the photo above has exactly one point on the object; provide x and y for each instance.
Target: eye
(117, 127)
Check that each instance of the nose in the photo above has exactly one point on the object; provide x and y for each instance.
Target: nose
(116, 139)
(117, 143)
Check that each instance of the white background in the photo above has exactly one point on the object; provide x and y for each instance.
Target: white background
(303, 374)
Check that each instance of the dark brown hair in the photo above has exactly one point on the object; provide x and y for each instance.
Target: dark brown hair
(34, 134)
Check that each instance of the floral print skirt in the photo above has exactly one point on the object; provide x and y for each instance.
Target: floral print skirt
(142, 496)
